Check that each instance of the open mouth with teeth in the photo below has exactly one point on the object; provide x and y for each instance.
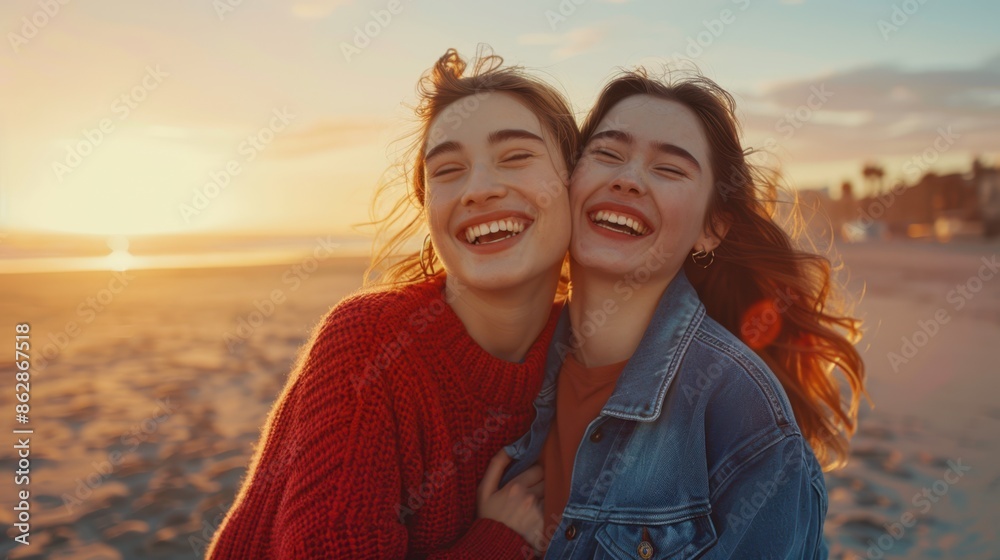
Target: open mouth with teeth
(621, 223)
(494, 231)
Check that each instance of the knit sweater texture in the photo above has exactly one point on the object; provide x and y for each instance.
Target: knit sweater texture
(377, 444)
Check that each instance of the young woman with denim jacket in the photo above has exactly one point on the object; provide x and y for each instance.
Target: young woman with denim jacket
(697, 400)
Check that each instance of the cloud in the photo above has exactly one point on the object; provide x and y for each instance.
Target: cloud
(568, 44)
(317, 9)
(879, 111)
(328, 136)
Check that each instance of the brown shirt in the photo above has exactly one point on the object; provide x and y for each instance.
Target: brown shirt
(581, 393)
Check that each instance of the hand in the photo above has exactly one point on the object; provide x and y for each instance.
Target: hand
(517, 505)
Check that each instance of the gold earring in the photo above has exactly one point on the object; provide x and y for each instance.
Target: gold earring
(424, 264)
(700, 256)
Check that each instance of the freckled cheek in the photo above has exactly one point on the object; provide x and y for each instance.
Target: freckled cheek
(563, 220)
(575, 207)
(580, 189)
(682, 216)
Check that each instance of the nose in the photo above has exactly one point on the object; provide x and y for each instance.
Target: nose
(629, 181)
(482, 185)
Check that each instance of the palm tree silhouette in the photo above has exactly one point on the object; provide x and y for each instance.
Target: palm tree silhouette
(874, 176)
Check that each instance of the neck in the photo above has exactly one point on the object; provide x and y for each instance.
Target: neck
(609, 313)
(505, 322)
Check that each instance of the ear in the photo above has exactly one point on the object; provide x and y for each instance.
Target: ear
(713, 233)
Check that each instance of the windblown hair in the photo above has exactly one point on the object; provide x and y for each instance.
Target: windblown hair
(438, 89)
(779, 299)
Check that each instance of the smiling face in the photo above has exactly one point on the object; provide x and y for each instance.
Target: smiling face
(496, 196)
(640, 193)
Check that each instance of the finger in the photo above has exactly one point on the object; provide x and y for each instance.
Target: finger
(538, 490)
(538, 540)
(491, 480)
(530, 477)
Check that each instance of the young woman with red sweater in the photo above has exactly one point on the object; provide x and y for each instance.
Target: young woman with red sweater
(377, 445)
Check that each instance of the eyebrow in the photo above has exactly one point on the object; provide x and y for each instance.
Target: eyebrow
(664, 147)
(442, 148)
(498, 136)
(494, 137)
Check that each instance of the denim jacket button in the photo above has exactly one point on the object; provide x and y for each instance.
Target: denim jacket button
(596, 436)
(645, 548)
(571, 532)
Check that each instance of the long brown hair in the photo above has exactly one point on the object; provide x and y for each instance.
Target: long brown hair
(438, 89)
(779, 299)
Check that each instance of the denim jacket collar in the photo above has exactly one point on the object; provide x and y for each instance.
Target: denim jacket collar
(639, 392)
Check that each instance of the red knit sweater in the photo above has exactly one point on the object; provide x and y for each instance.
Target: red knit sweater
(378, 442)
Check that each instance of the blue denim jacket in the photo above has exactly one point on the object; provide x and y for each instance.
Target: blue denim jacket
(695, 455)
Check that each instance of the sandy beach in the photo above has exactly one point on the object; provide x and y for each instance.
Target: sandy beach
(146, 410)
(927, 455)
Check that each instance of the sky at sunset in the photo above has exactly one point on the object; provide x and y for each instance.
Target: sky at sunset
(115, 115)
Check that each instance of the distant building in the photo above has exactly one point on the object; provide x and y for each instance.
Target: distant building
(987, 182)
(937, 205)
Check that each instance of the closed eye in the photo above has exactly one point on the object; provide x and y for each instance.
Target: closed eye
(672, 171)
(521, 156)
(606, 153)
(445, 170)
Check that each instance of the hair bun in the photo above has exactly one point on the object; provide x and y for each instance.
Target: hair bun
(450, 65)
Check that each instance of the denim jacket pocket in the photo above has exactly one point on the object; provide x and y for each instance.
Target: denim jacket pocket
(685, 539)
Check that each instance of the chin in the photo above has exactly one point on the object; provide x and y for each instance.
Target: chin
(606, 263)
(490, 278)
(598, 255)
